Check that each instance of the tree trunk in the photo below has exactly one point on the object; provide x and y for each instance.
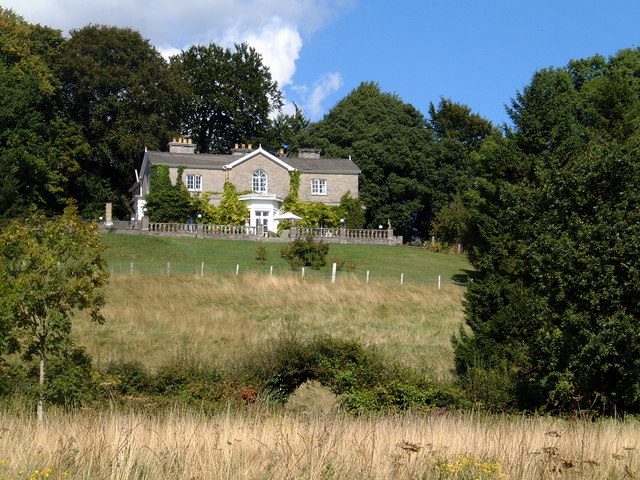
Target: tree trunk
(41, 399)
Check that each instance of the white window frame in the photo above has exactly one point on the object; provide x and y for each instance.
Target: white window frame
(319, 186)
(194, 183)
(259, 181)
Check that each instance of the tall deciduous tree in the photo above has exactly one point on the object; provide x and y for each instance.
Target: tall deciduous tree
(119, 90)
(49, 269)
(34, 171)
(554, 309)
(389, 141)
(227, 95)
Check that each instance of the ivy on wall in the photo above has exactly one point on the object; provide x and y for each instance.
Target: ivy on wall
(316, 214)
(168, 203)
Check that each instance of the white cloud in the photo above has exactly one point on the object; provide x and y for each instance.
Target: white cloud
(275, 28)
(321, 89)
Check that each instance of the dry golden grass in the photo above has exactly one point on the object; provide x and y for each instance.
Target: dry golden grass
(258, 445)
(154, 318)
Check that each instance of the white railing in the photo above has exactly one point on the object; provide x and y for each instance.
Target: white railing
(228, 230)
(343, 233)
(172, 227)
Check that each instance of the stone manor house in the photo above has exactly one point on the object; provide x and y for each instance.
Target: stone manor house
(266, 175)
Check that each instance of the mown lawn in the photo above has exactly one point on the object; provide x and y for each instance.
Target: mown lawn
(150, 254)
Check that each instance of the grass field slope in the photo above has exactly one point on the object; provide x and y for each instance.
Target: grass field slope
(214, 318)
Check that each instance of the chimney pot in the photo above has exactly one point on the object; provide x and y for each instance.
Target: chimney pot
(249, 147)
(236, 147)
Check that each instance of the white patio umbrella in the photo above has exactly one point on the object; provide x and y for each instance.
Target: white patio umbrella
(288, 216)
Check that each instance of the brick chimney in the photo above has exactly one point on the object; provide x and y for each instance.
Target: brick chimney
(181, 145)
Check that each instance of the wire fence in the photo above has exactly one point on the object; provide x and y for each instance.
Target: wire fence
(201, 269)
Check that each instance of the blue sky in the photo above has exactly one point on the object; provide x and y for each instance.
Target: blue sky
(476, 53)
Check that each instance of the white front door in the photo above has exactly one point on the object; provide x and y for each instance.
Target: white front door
(262, 222)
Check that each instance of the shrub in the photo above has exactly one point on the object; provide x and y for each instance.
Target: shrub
(129, 377)
(343, 265)
(306, 253)
(261, 254)
(186, 380)
(70, 380)
(361, 375)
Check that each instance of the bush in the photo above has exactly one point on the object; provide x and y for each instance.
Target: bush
(342, 265)
(306, 253)
(261, 254)
(186, 380)
(128, 377)
(361, 375)
(70, 381)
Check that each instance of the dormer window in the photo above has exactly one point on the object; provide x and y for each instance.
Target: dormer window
(260, 181)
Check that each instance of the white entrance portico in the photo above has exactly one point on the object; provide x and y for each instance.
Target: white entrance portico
(263, 208)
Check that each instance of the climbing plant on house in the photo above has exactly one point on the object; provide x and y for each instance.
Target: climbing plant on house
(166, 202)
(315, 214)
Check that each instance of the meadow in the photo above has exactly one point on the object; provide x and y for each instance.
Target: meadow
(259, 444)
(156, 318)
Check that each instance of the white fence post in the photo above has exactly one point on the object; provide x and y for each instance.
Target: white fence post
(131, 268)
(271, 271)
(333, 273)
(237, 269)
(302, 270)
(439, 282)
(168, 268)
(202, 269)
(367, 276)
(402, 279)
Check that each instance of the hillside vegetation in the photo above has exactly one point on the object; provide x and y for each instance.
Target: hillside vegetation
(154, 318)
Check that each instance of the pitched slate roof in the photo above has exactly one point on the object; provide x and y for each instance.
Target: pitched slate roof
(209, 161)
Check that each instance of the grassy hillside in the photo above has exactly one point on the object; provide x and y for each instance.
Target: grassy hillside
(151, 255)
(218, 318)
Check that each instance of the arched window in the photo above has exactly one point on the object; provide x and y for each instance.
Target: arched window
(260, 181)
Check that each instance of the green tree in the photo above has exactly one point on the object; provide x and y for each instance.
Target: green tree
(556, 215)
(118, 88)
(456, 121)
(49, 269)
(35, 166)
(227, 96)
(390, 143)
(232, 211)
(166, 202)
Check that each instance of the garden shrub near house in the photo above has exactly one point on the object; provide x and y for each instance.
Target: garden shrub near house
(306, 253)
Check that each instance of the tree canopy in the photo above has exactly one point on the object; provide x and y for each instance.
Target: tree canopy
(390, 143)
(227, 96)
(48, 270)
(553, 309)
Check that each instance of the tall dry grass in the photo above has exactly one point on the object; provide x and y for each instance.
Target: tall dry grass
(258, 445)
(154, 318)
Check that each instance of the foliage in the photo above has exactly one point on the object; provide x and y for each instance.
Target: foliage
(360, 374)
(166, 202)
(553, 309)
(118, 88)
(232, 211)
(261, 253)
(34, 169)
(71, 378)
(390, 143)
(306, 253)
(227, 96)
(48, 270)
(352, 211)
(451, 223)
